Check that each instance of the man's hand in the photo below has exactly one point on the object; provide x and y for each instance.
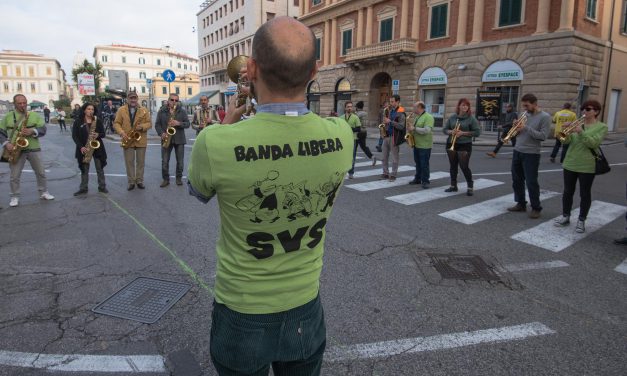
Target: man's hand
(410, 128)
(164, 135)
(27, 132)
(83, 150)
(234, 113)
(9, 146)
(174, 123)
(123, 134)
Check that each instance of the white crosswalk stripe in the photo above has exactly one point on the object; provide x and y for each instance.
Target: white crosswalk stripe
(375, 172)
(555, 239)
(381, 184)
(367, 163)
(487, 209)
(622, 268)
(438, 192)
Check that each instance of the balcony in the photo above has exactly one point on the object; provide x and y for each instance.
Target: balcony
(217, 67)
(399, 51)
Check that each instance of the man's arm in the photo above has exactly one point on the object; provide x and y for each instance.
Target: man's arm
(4, 123)
(117, 124)
(183, 119)
(143, 123)
(199, 176)
(399, 122)
(195, 121)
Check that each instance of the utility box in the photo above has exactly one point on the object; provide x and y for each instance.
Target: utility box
(118, 80)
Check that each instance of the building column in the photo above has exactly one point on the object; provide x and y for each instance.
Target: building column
(477, 24)
(360, 27)
(542, 24)
(566, 15)
(333, 41)
(302, 6)
(306, 7)
(462, 22)
(369, 19)
(415, 20)
(404, 17)
(327, 42)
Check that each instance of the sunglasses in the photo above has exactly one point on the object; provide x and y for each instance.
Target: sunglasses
(174, 100)
(589, 109)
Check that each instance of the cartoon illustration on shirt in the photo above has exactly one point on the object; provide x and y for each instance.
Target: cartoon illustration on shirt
(297, 201)
(262, 203)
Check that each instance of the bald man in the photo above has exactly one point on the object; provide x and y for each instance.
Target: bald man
(276, 177)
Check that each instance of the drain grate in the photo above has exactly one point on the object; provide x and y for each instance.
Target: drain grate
(144, 300)
(466, 267)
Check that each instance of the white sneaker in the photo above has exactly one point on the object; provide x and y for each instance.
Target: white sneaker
(581, 226)
(562, 221)
(46, 196)
(14, 202)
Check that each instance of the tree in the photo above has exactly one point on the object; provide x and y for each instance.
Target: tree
(96, 70)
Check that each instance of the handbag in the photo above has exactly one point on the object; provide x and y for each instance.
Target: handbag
(601, 165)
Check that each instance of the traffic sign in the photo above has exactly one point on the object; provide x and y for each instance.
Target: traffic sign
(395, 86)
(148, 81)
(168, 75)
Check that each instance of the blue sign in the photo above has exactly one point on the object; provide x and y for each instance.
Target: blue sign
(168, 75)
(149, 81)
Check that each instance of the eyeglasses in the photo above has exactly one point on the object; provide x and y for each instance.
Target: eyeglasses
(589, 109)
(174, 100)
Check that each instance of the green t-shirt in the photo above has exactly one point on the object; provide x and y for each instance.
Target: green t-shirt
(424, 141)
(354, 122)
(10, 122)
(579, 158)
(276, 178)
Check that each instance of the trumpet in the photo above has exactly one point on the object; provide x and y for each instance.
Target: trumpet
(454, 135)
(92, 143)
(19, 142)
(382, 127)
(567, 130)
(409, 137)
(515, 129)
(170, 131)
(131, 138)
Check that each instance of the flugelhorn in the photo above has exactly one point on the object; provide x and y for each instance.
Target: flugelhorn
(515, 129)
(454, 135)
(563, 134)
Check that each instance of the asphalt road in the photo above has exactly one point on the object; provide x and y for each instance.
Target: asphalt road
(388, 310)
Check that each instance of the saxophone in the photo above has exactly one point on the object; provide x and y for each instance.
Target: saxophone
(383, 127)
(170, 131)
(133, 136)
(409, 137)
(18, 142)
(92, 143)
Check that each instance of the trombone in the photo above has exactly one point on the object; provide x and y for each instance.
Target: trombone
(567, 130)
(515, 129)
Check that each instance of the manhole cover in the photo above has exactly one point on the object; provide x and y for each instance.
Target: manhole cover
(144, 300)
(463, 267)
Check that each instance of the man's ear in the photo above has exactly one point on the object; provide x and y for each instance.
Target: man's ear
(314, 72)
(251, 69)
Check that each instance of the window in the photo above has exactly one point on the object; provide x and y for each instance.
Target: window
(142, 60)
(31, 72)
(185, 66)
(32, 88)
(177, 90)
(318, 48)
(49, 71)
(5, 70)
(158, 61)
(510, 12)
(49, 87)
(142, 74)
(164, 90)
(6, 87)
(623, 26)
(178, 65)
(439, 18)
(189, 91)
(347, 41)
(123, 59)
(591, 9)
(104, 73)
(104, 58)
(19, 86)
(270, 16)
(18, 72)
(385, 29)
(143, 89)
(315, 2)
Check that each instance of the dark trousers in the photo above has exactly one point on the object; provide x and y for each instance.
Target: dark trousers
(460, 157)
(99, 173)
(556, 149)
(361, 141)
(179, 152)
(499, 142)
(585, 192)
(62, 125)
(421, 158)
(352, 170)
(525, 172)
(292, 342)
(47, 118)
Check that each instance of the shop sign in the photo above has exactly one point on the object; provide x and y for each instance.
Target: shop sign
(433, 76)
(504, 70)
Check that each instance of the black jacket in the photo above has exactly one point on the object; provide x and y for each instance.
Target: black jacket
(80, 135)
(162, 124)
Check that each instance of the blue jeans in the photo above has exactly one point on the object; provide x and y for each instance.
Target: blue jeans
(525, 172)
(421, 157)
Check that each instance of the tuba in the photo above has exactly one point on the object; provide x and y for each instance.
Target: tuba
(515, 129)
(454, 135)
(567, 130)
(382, 127)
(409, 137)
(170, 131)
(233, 70)
(19, 142)
(92, 143)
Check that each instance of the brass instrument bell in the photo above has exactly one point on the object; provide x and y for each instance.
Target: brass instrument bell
(233, 70)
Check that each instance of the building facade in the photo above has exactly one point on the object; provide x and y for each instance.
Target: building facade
(225, 30)
(38, 77)
(143, 64)
(439, 51)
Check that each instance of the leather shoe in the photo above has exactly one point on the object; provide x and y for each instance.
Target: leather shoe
(451, 189)
(622, 241)
(534, 214)
(491, 154)
(103, 190)
(141, 186)
(179, 181)
(130, 187)
(80, 192)
(414, 182)
(385, 176)
(517, 208)
(164, 183)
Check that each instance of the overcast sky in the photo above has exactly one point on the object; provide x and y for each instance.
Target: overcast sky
(59, 29)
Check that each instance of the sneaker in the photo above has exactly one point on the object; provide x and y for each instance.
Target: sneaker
(562, 221)
(581, 226)
(46, 196)
(425, 185)
(392, 177)
(552, 160)
(491, 154)
(164, 183)
(517, 208)
(385, 176)
(451, 189)
(80, 192)
(374, 160)
(469, 192)
(414, 182)
(14, 202)
(350, 176)
(534, 214)
(621, 241)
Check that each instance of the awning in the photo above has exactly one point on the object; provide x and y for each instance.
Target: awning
(36, 104)
(196, 98)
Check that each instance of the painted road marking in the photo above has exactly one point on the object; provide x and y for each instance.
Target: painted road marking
(555, 239)
(84, 363)
(31, 171)
(403, 180)
(438, 192)
(374, 172)
(535, 266)
(438, 342)
(367, 164)
(487, 209)
(622, 268)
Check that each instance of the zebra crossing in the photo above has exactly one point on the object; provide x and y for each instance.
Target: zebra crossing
(545, 235)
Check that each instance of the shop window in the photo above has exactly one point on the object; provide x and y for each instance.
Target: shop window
(509, 94)
(439, 21)
(510, 12)
(386, 29)
(347, 41)
(591, 9)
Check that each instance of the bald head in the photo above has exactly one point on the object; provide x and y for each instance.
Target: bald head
(284, 51)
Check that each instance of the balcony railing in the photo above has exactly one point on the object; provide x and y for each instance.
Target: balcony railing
(390, 47)
(216, 67)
